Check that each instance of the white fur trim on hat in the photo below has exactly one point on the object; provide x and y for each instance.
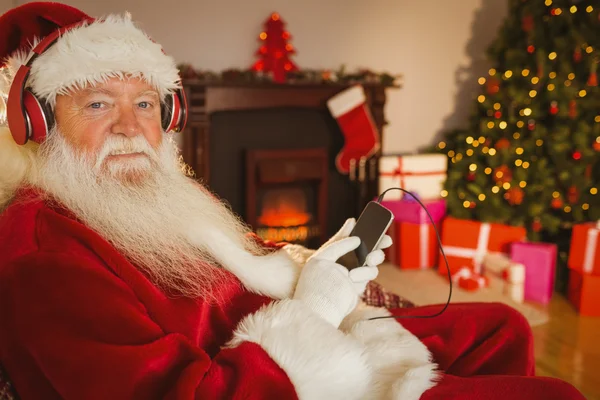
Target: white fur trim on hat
(109, 47)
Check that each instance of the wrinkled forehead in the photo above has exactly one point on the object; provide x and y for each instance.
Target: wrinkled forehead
(116, 87)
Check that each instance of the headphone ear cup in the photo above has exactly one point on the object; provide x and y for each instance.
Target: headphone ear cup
(39, 117)
(174, 112)
(167, 112)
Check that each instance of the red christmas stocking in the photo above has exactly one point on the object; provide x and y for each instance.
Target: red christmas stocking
(356, 122)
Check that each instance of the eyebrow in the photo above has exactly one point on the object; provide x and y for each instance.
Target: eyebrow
(92, 91)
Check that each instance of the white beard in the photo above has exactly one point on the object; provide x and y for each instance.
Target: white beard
(164, 222)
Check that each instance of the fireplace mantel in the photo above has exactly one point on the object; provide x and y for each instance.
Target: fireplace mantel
(205, 99)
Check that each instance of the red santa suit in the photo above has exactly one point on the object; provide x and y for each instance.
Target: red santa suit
(79, 321)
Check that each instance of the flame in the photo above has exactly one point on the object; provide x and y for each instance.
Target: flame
(284, 208)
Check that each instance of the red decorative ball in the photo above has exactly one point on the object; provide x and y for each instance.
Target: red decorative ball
(576, 155)
(502, 174)
(530, 49)
(596, 146)
(498, 114)
(527, 23)
(515, 196)
(471, 176)
(572, 109)
(531, 124)
(577, 55)
(573, 195)
(556, 203)
(492, 86)
(536, 225)
(554, 107)
(593, 79)
(502, 144)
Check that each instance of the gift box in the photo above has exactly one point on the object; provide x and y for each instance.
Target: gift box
(506, 275)
(415, 245)
(584, 293)
(422, 174)
(407, 210)
(466, 242)
(539, 260)
(584, 253)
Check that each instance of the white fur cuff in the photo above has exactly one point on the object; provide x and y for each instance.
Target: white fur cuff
(402, 365)
(320, 361)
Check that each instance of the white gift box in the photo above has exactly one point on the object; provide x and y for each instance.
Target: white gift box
(422, 174)
(501, 270)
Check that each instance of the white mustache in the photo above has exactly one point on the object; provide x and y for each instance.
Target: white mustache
(117, 145)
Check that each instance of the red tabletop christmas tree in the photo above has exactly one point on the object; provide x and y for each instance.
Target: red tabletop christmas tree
(275, 50)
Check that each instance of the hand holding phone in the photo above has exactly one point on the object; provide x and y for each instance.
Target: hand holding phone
(370, 228)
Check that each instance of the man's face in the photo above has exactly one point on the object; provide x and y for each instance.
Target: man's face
(116, 125)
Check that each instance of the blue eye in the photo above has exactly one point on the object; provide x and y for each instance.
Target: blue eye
(144, 104)
(95, 105)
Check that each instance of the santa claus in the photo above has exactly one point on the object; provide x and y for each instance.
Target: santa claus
(123, 278)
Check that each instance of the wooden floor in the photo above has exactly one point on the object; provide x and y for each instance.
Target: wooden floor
(567, 347)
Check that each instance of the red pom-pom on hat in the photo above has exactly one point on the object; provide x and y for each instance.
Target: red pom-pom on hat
(23, 25)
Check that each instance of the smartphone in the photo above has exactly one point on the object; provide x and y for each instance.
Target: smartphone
(371, 226)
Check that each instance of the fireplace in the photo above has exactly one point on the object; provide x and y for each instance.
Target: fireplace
(269, 152)
(286, 194)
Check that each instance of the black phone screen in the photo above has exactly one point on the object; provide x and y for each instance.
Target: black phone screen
(370, 227)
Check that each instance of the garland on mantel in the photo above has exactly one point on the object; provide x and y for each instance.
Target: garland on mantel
(305, 76)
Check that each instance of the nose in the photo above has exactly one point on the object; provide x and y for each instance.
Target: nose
(126, 123)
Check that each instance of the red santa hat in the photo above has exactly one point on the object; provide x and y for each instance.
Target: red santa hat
(89, 52)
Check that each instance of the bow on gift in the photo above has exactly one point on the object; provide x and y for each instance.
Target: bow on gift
(511, 273)
(477, 254)
(590, 248)
(469, 280)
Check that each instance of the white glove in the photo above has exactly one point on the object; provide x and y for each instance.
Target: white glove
(325, 286)
(363, 275)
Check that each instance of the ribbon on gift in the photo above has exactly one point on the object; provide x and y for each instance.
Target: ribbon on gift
(424, 246)
(469, 280)
(399, 171)
(477, 254)
(590, 248)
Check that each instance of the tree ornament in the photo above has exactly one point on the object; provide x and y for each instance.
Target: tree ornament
(596, 145)
(536, 225)
(573, 195)
(577, 55)
(502, 144)
(556, 203)
(502, 174)
(576, 155)
(498, 114)
(531, 124)
(593, 78)
(275, 51)
(471, 176)
(515, 196)
(530, 49)
(572, 109)
(527, 23)
(554, 107)
(492, 85)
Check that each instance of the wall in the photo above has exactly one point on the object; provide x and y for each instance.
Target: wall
(437, 45)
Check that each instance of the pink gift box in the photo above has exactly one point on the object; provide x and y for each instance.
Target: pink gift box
(539, 260)
(410, 211)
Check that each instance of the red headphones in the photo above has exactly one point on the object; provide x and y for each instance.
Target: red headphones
(30, 118)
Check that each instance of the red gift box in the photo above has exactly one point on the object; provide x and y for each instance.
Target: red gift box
(466, 242)
(584, 293)
(584, 253)
(415, 245)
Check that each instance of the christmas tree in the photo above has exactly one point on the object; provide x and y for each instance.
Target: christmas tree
(275, 51)
(531, 154)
